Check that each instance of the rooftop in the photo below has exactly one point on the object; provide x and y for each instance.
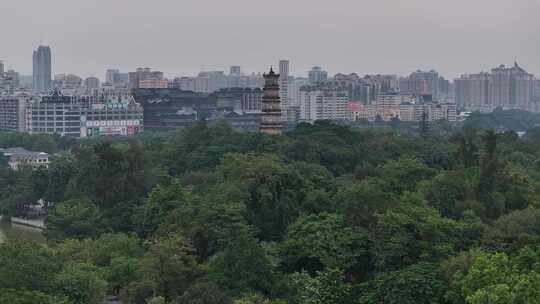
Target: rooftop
(21, 152)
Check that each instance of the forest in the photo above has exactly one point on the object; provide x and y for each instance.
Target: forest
(323, 214)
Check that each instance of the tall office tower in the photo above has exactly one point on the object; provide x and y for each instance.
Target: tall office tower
(235, 70)
(42, 68)
(1, 68)
(284, 89)
(317, 74)
(271, 105)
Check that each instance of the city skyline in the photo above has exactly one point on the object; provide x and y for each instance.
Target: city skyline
(226, 68)
(384, 37)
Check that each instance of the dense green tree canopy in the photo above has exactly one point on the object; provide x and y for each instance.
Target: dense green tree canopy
(323, 214)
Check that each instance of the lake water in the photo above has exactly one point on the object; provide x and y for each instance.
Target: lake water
(14, 231)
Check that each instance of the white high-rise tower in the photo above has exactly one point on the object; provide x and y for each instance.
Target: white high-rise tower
(284, 88)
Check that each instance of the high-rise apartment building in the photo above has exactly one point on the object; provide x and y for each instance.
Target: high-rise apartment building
(472, 91)
(421, 83)
(536, 88)
(235, 70)
(111, 75)
(9, 80)
(284, 90)
(13, 78)
(91, 83)
(511, 87)
(317, 75)
(320, 103)
(208, 82)
(212, 81)
(386, 83)
(67, 81)
(143, 74)
(42, 71)
(116, 79)
(12, 114)
(504, 87)
(360, 89)
(444, 87)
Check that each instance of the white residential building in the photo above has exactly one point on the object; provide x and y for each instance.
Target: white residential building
(320, 104)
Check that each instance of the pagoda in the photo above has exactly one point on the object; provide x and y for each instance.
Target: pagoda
(271, 105)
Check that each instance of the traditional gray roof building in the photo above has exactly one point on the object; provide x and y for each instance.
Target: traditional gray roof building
(20, 157)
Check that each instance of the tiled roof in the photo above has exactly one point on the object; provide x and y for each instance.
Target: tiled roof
(21, 152)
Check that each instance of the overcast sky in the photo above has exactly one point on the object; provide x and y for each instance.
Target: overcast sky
(182, 37)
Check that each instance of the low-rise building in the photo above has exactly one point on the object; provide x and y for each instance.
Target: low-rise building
(406, 111)
(115, 116)
(153, 83)
(83, 116)
(19, 158)
(388, 106)
(411, 111)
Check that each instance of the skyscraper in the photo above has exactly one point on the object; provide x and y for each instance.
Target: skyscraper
(271, 105)
(42, 75)
(1, 68)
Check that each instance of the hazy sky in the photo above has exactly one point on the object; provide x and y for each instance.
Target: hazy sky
(181, 37)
